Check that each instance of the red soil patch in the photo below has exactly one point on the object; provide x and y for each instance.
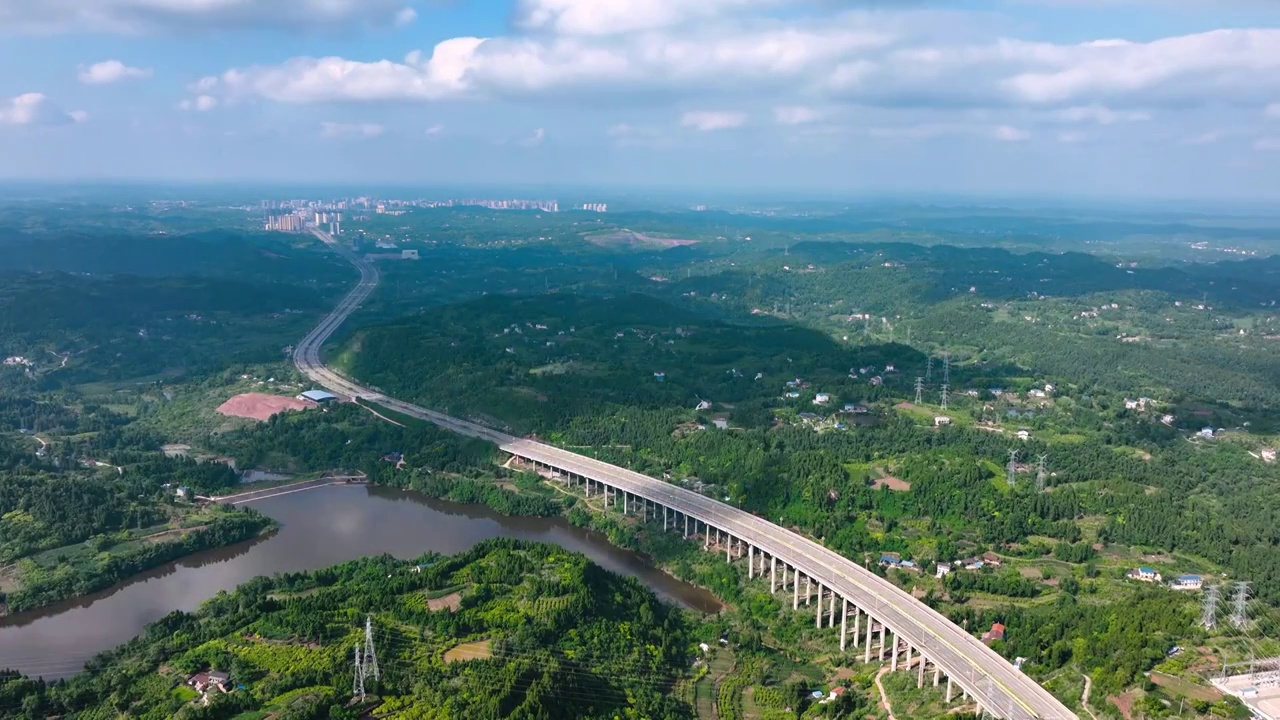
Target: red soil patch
(1124, 703)
(260, 406)
(891, 482)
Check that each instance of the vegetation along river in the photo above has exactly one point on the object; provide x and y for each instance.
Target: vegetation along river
(318, 528)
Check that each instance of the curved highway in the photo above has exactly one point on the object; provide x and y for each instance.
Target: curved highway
(1001, 689)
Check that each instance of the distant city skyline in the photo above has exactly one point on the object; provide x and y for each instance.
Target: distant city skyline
(1107, 99)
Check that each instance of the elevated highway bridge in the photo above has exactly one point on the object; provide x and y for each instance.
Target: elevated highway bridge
(872, 615)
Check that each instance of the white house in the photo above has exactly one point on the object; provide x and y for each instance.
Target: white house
(942, 570)
(821, 399)
(1145, 574)
(1024, 435)
(940, 420)
(1187, 582)
(703, 405)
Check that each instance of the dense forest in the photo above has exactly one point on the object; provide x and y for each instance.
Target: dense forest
(580, 372)
(505, 630)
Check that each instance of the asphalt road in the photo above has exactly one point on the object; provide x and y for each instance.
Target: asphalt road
(1002, 689)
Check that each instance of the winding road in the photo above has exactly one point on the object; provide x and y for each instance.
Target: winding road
(1001, 689)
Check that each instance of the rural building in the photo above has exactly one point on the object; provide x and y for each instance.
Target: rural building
(1187, 582)
(1145, 574)
(941, 420)
(210, 680)
(1024, 435)
(703, 405)
(942, 570)
(318, 396)
(821, 399)
(995, 633)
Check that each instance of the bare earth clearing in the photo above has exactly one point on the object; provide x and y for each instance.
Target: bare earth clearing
(891, 482)
(478, 650)
(260, 406)
(452, 601)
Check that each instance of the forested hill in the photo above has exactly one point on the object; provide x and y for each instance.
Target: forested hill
(507, 629)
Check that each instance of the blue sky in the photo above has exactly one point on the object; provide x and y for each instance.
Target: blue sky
(1110, 98)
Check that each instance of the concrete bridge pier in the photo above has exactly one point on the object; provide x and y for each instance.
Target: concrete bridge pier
(831, 610)
(920, 671)
(773, 574)
(817, 620)
(844, 623)
(950, 691)
(795, 591)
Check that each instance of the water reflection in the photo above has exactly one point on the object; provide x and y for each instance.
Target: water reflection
(318, 528)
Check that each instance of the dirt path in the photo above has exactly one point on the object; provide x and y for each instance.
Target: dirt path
(1084, 696)
(884, 697)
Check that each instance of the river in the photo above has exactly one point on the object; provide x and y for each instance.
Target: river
(319, 528)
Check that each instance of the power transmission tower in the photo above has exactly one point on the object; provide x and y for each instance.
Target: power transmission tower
(357, 680)
(919, 390)
(1013, 467)
(928, 368)
(945, 394)
(369, 665)
(1240, 613)
(1042, 475)
(946, 366)
(1209, 607)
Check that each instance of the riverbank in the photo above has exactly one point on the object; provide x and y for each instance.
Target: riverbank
(94, 566)
(317, 529)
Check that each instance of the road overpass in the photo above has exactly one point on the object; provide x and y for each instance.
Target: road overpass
(874, 616)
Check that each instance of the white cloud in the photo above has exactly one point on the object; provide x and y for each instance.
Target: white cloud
(1071, 136)
(1215, 64)
(110, 71)
(1267, 143)
(1273, 111)
(200, 103)
(36, 109)
(328, 79)
(1100, 115)
(794, 115)
(135, 16)
(1208, 138)
(706, 59)
(1008, 133)
(405, 16)
(435, 130)
(535, 139)
(706, 120)
(350, 130)
(613, 17)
